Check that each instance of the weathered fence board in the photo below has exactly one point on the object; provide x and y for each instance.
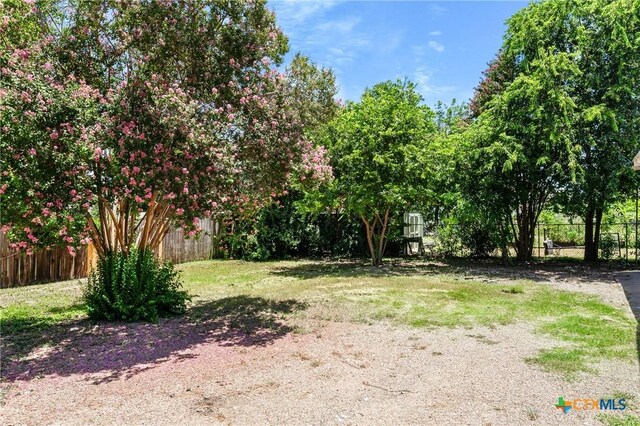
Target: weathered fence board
(57, 265)
(43, 266)
(179, 250)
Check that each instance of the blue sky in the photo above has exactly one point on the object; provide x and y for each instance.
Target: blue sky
(443, 46)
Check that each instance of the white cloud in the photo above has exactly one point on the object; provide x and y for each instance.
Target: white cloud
(437, 9)
(342, 25)
(391, 42)
(434, 45)
(299, 11)
(419, 51)
(314, 29)
(337, 56)
(430, 91)
(435, 33)
(340, 40)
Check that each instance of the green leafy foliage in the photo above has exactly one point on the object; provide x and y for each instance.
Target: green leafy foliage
(521, 149)
(312, 90)
(171, 109)
(560, 111)
(601, 38)
(608, 246)
(134, 287)
(284, 230)
(380, 158)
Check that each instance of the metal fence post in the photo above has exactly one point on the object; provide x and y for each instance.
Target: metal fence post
(626, 241)
(636, 239)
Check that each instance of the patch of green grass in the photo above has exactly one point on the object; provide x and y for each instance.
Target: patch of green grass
(566, 360)
(27, 309)
(606, 338)
(406, 295)
(20, 319)
(618, 419)
(514, 290)
(592, 329)
(32, 317)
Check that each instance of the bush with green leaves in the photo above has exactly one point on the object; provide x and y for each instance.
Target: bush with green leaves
(470, 230)
(133, 287)
(449, 242)
(609, 246)
(288, 230)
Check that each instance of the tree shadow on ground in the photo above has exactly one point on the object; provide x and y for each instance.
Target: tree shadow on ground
(109, 351)
(471, 269)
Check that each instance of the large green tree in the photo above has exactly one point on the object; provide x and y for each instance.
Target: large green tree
(602, 38)
(379, 154)
(285, 227)
(312, 90)
(520, 150)
(136, 117)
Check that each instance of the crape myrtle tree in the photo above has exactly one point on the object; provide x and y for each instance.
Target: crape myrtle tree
(501, 72)
(282, 228)
(378, 150)
(33, 105)
(167, 110)
(121, 120)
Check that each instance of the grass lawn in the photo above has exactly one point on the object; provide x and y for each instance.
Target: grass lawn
(588, 330)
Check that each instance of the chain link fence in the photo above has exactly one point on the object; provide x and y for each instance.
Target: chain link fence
(618, 241)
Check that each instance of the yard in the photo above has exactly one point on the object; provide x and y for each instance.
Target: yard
(310, 342)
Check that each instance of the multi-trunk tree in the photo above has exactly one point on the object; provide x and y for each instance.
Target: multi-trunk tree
(121, 120)
(601, 38)
(521, 150)
(379, 154)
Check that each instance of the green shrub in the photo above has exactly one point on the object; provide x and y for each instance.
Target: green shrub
(608, 246)
(284, 230)
(479, 240)
(134, 287)
(472, 238)
(449, 241)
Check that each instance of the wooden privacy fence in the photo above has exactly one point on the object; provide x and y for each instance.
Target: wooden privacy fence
(57, 265)
(18, 269)
(176, 248)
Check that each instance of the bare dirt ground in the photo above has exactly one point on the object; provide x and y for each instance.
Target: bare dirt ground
(330, 373)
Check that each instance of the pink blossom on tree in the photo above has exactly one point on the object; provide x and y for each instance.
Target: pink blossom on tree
(140, 117)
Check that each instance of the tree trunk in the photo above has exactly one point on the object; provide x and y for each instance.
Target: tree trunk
(118, 228)
(376, 243)
(504, 240)
(590, 242)
(369, 229)
(523, 244)
(526, 222)
(596, 234)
